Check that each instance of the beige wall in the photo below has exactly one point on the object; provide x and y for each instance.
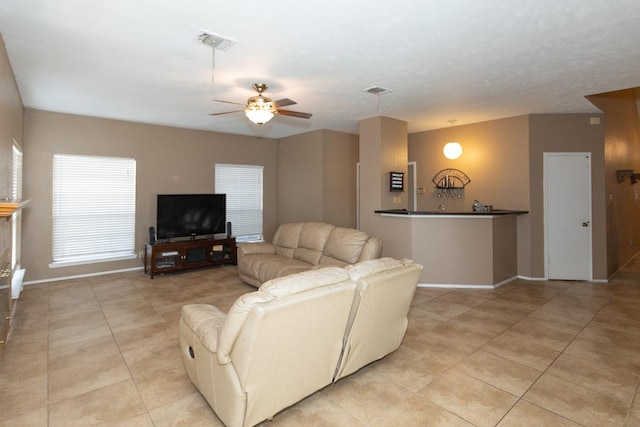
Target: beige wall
(300, 178)
(504, 160)
(622, 151)
(495, 156)
(11, 125)
(168, 160)
(567, 133)
(317, 178)
(464, 250)
(383, 149)
(340, 154)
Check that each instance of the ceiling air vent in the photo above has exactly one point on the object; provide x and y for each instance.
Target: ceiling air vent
(377, 90)
(214, 40)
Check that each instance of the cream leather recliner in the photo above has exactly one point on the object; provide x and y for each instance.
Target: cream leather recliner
(295, 335)
(276, 345)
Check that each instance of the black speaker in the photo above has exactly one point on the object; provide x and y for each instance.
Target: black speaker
(152, 235)
(229, 233)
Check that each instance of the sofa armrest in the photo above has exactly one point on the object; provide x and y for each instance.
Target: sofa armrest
(205, 321)
(256, 248)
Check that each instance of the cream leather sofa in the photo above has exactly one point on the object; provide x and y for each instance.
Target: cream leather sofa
(298, 247)
(295, 335)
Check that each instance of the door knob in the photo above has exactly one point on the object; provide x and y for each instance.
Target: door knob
(585, 224)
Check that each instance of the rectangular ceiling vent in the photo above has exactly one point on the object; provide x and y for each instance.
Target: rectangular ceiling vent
(214, 40)
(377, 90)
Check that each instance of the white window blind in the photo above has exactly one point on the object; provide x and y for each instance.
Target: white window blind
(16, 194)
(94, 200)
(16, 188)
(243, 186)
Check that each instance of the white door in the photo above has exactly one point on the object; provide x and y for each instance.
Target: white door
(567, 209)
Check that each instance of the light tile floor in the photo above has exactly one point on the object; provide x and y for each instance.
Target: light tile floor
(104, 350)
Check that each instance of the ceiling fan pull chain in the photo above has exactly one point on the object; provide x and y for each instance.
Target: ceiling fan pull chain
(213, 66)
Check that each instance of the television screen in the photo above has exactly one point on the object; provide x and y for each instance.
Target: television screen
(181, 215)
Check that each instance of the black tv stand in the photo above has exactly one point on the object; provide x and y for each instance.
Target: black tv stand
(179, 256)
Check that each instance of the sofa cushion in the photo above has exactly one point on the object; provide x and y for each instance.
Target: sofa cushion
(378, 320)
(287, 237)
(252, 269)
(234, 322)
(345, 244)
(247, 248)
(270, 266)
(372, 249)
(367, 268)
(205, 321)
(326, 261)
(299, 282)
(313, 237)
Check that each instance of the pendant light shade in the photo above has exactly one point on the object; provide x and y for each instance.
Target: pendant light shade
(258, 117)
(452, 150)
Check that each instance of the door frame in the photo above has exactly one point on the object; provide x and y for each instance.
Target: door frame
(546, 155)
(412, 172)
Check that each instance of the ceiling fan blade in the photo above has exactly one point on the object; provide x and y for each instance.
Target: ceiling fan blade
(228, 102)
(295, 114)
(284, 102)
(226, 112)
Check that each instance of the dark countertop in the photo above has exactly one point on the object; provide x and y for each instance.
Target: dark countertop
(494, 212)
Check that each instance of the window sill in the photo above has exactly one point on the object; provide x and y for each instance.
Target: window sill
(71, 263)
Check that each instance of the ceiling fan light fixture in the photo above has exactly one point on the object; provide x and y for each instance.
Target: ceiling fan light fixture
(260, 110)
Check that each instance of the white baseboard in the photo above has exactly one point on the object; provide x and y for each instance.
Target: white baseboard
(466, 286)
(542, 279)
(532, 279)
(79, 276)
(453, 286)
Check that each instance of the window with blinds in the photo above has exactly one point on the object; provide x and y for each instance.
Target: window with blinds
(94, 204)
(16, 194)
(243, 186)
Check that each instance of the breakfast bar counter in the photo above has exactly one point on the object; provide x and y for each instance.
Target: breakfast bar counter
(462, 249)
(493, 212)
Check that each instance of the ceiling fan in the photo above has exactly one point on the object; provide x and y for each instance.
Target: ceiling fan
(261, 109)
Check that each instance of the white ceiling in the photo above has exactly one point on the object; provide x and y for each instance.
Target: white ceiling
(469, 60)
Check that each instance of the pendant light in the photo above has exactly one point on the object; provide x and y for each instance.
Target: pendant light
(452, 150)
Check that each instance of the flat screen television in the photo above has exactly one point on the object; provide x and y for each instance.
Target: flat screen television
(183, 215)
